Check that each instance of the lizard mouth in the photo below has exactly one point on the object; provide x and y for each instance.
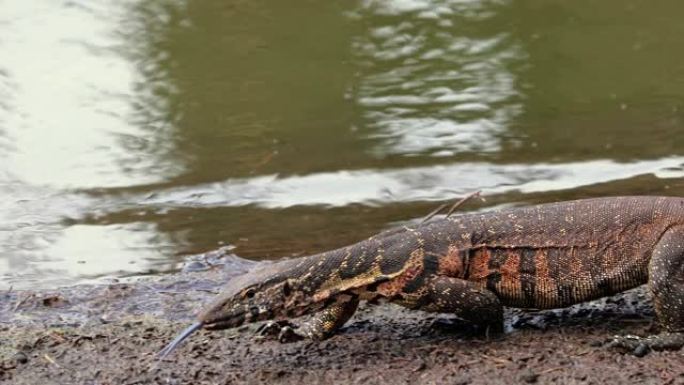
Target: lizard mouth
(225, 322)
(217, 325)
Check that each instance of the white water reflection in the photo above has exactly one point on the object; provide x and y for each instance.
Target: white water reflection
(83, 251)
(67, 93)
(434, 83)
(429, 9)
(57, 255)
(75, 113)
(440, 182)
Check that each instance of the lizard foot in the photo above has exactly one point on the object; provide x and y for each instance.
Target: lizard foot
(640, 346)
(282, 331)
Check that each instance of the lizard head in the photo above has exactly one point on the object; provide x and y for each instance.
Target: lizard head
(269, 292)
(259, 295)
(252, 303)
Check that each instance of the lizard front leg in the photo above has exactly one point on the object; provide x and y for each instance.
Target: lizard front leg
(464, 299)
(320, 326)
(666, 281)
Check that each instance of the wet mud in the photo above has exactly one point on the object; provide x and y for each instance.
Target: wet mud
(110, 334)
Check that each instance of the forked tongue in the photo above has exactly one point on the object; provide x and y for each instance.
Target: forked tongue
(177, 341)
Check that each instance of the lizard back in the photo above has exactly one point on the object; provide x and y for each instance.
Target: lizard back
(556, 255)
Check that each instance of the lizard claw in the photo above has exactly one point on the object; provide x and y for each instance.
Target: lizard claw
(640, 346)
(269, 329)
(629, 344)
(282, 331)
(289, 334)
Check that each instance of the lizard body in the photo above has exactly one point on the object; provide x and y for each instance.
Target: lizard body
(471, 265)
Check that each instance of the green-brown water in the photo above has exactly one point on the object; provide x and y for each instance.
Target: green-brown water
(133, 133)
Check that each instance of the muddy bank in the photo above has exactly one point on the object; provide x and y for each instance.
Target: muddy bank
(109, 334)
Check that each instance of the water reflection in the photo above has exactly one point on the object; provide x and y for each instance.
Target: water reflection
(81, 251)
(71, 105)
(440, 182)
(75, 114)
(438, 77)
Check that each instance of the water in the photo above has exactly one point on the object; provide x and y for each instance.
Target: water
(134, 133)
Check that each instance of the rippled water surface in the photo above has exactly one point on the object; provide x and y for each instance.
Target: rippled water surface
(134, 133)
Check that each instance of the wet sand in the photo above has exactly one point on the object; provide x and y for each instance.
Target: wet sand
(110, 333)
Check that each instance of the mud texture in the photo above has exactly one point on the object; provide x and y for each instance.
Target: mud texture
(110, 333)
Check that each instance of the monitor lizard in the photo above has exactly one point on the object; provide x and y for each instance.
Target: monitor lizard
(471, 265)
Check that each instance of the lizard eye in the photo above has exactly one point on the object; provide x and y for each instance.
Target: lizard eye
(286, 288)
(250, 293)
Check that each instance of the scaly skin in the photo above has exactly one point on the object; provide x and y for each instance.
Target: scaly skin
(545, 256)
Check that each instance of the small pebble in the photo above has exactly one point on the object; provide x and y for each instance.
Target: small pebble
(194, 266)
(529, 377)
(106, 318)
(641, 350)
(20, 358)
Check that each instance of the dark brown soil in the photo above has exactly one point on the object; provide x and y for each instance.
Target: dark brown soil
(109, 334)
